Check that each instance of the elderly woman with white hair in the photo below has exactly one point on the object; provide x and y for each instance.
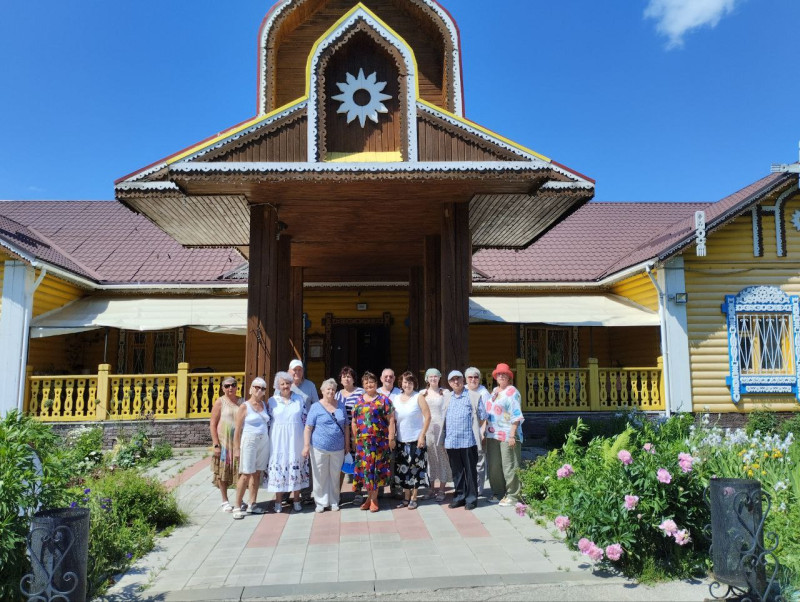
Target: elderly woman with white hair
(251, 446)
(326, 445)
(438, 463)
(288, 469)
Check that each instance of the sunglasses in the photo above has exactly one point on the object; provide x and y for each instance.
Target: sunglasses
(259, 388)
(229, 385)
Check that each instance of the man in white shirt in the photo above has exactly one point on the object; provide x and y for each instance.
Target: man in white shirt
(473, 376)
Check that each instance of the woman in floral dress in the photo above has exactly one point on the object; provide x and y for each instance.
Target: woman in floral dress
(373, 429)
(438, 463)
(224, 467)
(288, 469)
(504, 437)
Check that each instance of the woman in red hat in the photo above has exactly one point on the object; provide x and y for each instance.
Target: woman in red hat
(504, 437)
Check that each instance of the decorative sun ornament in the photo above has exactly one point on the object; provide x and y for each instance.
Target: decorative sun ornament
(796, 220)
(355, 109)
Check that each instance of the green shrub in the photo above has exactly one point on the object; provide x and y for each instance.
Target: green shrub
(127, 510)
(763, 421)
(24, 488)
(139, 451)
(557, 432)
(791, 425)
(85, 448)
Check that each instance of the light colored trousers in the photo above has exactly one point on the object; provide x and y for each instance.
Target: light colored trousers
(326, 467)
(504, 462)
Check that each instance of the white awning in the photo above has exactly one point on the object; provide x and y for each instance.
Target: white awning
(214, 314)
(562, 310)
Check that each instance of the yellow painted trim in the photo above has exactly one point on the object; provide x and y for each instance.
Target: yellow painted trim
(247, 124)
(336, 26)
(472, 124)
(365, 157)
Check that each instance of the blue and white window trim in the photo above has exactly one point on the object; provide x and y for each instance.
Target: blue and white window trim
(763, 326)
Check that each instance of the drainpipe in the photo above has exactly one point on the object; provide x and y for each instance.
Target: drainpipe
(662, 313)
(26, 326)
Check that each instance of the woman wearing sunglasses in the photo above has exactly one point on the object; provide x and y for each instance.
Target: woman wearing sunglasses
(252, 446)
(224, 467)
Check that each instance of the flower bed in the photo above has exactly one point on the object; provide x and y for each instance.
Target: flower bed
(635, 502)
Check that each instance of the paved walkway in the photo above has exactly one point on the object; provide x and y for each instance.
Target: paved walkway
(356, 554)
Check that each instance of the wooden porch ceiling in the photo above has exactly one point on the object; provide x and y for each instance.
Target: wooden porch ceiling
(355, 230)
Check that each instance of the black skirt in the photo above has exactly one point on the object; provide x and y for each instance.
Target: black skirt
(411, 466)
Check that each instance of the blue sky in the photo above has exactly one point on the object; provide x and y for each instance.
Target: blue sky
(628, 92)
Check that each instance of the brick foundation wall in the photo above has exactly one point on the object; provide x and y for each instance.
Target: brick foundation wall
(178, 433)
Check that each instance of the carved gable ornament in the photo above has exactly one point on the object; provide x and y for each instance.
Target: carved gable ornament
(362, 108)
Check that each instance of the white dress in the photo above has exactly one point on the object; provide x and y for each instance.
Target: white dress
(288, 470)
(438, 462)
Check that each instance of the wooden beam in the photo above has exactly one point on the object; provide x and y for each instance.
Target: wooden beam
(431, 276)
(262, 295)
(416, 304)
(455, 278)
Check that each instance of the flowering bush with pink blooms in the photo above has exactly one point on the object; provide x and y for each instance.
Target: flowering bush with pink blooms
(633, 501)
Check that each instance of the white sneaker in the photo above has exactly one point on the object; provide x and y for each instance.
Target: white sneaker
(278, 507)
(334, 507)
(298, 507)
(319, 509)
(506, 502)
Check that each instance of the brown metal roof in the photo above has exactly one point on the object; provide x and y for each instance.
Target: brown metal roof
(601, 239)
(106, 242)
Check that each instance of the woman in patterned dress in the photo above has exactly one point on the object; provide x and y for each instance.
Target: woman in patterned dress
(504, 437)
(373, 429)
(224, 467)
(438, 463)
(288, 469)
(411, 460)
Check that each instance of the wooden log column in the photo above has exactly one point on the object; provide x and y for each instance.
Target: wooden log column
(283, 347)
(296, 315)
(262, 295)
(432, 303)
(416, 316)
(456, 279)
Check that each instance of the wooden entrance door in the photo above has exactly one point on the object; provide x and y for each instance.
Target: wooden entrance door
(361, 343)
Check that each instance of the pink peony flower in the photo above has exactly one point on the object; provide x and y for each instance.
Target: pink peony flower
(625, 457)
(664, 476)
(584, 544)
(682, 537)
(614, 551)
(565, 471)
(631, 501)
(562, 523)
(669, 527)
(595, 552)
(685, 461)
(649, 447)
(521, 508)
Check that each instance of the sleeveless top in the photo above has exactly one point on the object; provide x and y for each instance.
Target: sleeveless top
(255, 422)
(409, 419)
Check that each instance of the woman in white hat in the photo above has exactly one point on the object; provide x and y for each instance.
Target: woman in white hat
(251, 446)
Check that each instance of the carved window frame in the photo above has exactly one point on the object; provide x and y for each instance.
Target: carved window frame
(761, 300)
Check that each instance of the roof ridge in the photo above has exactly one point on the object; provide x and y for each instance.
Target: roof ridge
(53, 245)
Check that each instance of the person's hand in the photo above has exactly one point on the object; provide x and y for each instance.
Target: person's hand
(306, 451)
(512, 441)
(421, 442)
(392, 443)
(235, 452)
(217, 451)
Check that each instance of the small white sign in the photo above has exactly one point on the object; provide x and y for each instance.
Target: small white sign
(700, 232)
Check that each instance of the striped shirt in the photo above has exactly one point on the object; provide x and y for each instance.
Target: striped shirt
(458, 421)
(349, 401)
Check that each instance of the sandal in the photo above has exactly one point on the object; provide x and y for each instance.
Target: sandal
(373, 507)
(255, 510)
(226, 507)
(440, 497)
(238, 514)
(365, 505)
(403, 504)
(412, 505)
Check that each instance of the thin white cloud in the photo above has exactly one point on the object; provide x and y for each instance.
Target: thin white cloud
(678, 17)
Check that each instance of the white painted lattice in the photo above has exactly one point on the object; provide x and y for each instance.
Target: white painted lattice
(765, 344)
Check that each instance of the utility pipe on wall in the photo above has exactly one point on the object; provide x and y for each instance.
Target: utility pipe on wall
(662, 317)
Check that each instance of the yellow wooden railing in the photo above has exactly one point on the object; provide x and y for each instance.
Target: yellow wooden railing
(588, 389)
(124, 396)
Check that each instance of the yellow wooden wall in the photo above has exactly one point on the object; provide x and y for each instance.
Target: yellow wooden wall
(491, 344)
(638, 289)
(728, 268)
(221, 352)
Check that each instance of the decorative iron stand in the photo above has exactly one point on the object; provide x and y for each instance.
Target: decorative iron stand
(58, 545)
(737, 542)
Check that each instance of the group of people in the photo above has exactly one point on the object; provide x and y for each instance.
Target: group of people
(404, 438)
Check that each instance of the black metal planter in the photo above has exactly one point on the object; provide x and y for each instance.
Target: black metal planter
(737, 541)
(58, 545)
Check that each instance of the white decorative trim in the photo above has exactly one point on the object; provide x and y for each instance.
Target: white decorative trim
(700, 233)
(780, 224)
(144, 173)
(432, 5)
(796, 220)
(579, 185)
(360, 15)
(389, 168)
(147, 186)
(756, 219)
